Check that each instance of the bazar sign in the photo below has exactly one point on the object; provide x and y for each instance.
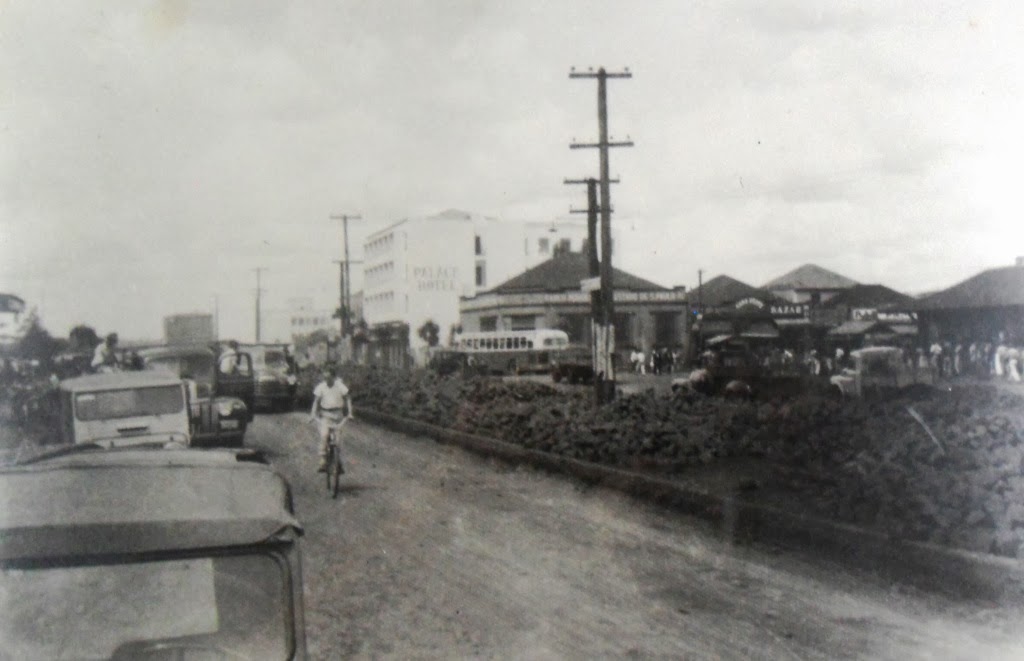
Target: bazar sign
(789, 310)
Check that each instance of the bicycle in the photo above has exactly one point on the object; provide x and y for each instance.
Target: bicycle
(335, 467)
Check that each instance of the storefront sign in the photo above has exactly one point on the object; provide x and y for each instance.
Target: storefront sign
(898, 317)
(864, 314)
(789, 311)
(750, 302)
(569, 297)
(436, 278)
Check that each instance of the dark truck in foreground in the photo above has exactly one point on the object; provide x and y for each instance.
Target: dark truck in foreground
(151, 551)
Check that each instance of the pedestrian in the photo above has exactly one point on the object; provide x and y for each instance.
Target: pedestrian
(641, 361)
(104, 358)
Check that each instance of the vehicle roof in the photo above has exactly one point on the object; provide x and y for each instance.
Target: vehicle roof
(93, 501)
(182, 350)
(119, 380)
(874, 351)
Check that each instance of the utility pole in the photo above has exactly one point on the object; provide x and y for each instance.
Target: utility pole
(346, 276)
(259, 290)
(700, 291)
(594, 271)
(604, 335)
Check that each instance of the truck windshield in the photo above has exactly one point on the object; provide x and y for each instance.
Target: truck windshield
(233, 607)
(131, 402)
(275, 360)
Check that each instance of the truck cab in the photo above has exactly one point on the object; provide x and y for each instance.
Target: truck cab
(149, 553)
(878, 369)
(124, 408)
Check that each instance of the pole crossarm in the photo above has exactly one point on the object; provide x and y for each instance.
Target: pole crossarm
(569, 182)
(599, 145)
(575, 210)
(600, 73)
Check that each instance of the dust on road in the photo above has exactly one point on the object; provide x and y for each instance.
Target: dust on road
(434, 553)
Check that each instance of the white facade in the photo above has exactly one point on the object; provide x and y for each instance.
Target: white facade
(416, 269)
(300, 317)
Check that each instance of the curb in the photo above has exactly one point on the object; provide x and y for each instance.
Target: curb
(937, 568)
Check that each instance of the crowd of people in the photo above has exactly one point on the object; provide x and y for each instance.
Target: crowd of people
(660, 361)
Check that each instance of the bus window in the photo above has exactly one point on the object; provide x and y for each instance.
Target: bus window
(516, 342)
(529, 344)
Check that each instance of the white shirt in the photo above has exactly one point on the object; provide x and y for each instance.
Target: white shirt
(331, 397)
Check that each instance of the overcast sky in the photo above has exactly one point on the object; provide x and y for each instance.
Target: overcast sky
(154, 153)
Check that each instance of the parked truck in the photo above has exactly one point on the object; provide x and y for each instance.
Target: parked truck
(879, 369)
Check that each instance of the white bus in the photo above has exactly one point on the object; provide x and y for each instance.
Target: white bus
(513, 352)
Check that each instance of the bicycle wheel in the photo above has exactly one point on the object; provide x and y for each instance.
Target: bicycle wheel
(335, 470)
(330, 464)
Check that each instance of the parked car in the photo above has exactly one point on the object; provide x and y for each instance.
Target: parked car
(124, 408)
(221, 401)
(878, 369)
(149, 553)
(276, 377)
(574, 365)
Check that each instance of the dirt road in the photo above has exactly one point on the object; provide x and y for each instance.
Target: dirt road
(434, 553)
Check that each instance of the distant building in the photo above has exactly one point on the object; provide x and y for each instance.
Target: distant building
(300, 317)
(988, 307)
(809, 284)
(549, 295)
(15, 319)
(192, 328)
(417, 269)
(869, 314)
(725, 307)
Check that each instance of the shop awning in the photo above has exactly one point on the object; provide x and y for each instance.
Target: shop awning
(718, 339)
(853, 328)
(715, 327)
(904, 329)
(765, 330)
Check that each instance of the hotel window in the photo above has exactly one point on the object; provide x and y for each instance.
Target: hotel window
(478, 245)
(481, 276)
(543, 246)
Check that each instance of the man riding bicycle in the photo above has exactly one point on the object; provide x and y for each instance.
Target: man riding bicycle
(330, 401)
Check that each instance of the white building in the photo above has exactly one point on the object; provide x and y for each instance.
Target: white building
(417, 269)
(301, 316)
(15, 319)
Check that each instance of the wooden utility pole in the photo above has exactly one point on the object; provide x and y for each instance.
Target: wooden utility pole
(259, 291)
(594, 271)
(604, 333)
(346, 276)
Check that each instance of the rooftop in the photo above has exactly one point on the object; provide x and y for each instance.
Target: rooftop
(723, 290)
(563, 272)
(810, 276)
(120, 380)
(870, 296)
(998, 287)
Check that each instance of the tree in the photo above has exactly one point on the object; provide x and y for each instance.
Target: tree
(83, 338)
(430, 333)
(38, 344)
